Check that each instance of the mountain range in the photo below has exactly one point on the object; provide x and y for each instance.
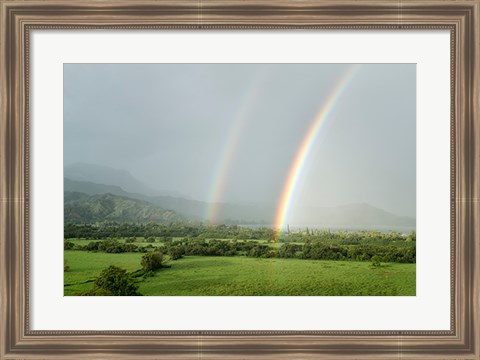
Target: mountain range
(83, 208)
(96, 193)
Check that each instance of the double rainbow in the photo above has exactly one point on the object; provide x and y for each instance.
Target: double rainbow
(305, 148)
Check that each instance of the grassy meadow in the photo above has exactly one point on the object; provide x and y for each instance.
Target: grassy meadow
(212, 276)
(180, 260)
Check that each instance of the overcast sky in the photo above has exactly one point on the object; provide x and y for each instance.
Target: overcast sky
(190, 127)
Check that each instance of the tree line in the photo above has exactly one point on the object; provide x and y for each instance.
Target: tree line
(104, 231)
(310, 249)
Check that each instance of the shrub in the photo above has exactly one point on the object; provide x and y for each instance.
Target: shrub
(152, 261)
(92, 246)
(115, 281)
(375, 261)
(114, 246)
(110, 246)
(176, 252)
(68, 245)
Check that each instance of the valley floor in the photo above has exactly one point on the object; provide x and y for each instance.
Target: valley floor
(245, 276)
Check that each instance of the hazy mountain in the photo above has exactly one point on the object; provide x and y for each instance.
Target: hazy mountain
(353, 215)
(227, 212)
(91, 188)
(191, 209)
(84, 208)
(100, 174)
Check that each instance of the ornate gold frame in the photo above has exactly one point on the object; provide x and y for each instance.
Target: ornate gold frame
(18, 18)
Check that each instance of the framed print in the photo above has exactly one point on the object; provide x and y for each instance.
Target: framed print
(258, 172)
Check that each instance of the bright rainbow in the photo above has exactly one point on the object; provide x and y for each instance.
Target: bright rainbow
(305, 148)
(232, 140)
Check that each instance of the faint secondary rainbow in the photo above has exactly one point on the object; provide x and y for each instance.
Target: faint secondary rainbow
(231, 142)
(305, 148)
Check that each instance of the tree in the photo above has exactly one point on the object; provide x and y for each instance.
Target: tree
(115, 281)
(152, 260)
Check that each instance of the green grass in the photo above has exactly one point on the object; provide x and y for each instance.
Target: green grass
(233, 276)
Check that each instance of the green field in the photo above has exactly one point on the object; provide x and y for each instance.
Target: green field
(213, 276)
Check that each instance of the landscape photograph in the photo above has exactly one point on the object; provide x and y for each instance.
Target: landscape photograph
(239, 179)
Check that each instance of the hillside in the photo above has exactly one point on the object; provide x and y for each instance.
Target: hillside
(84, 208)
(352, 215)
(191, 209)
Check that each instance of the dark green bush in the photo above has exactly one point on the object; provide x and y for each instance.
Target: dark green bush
(152, 261)
(68, 245)
(115, 281)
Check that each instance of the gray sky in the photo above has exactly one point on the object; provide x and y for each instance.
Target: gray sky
(190, 127)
